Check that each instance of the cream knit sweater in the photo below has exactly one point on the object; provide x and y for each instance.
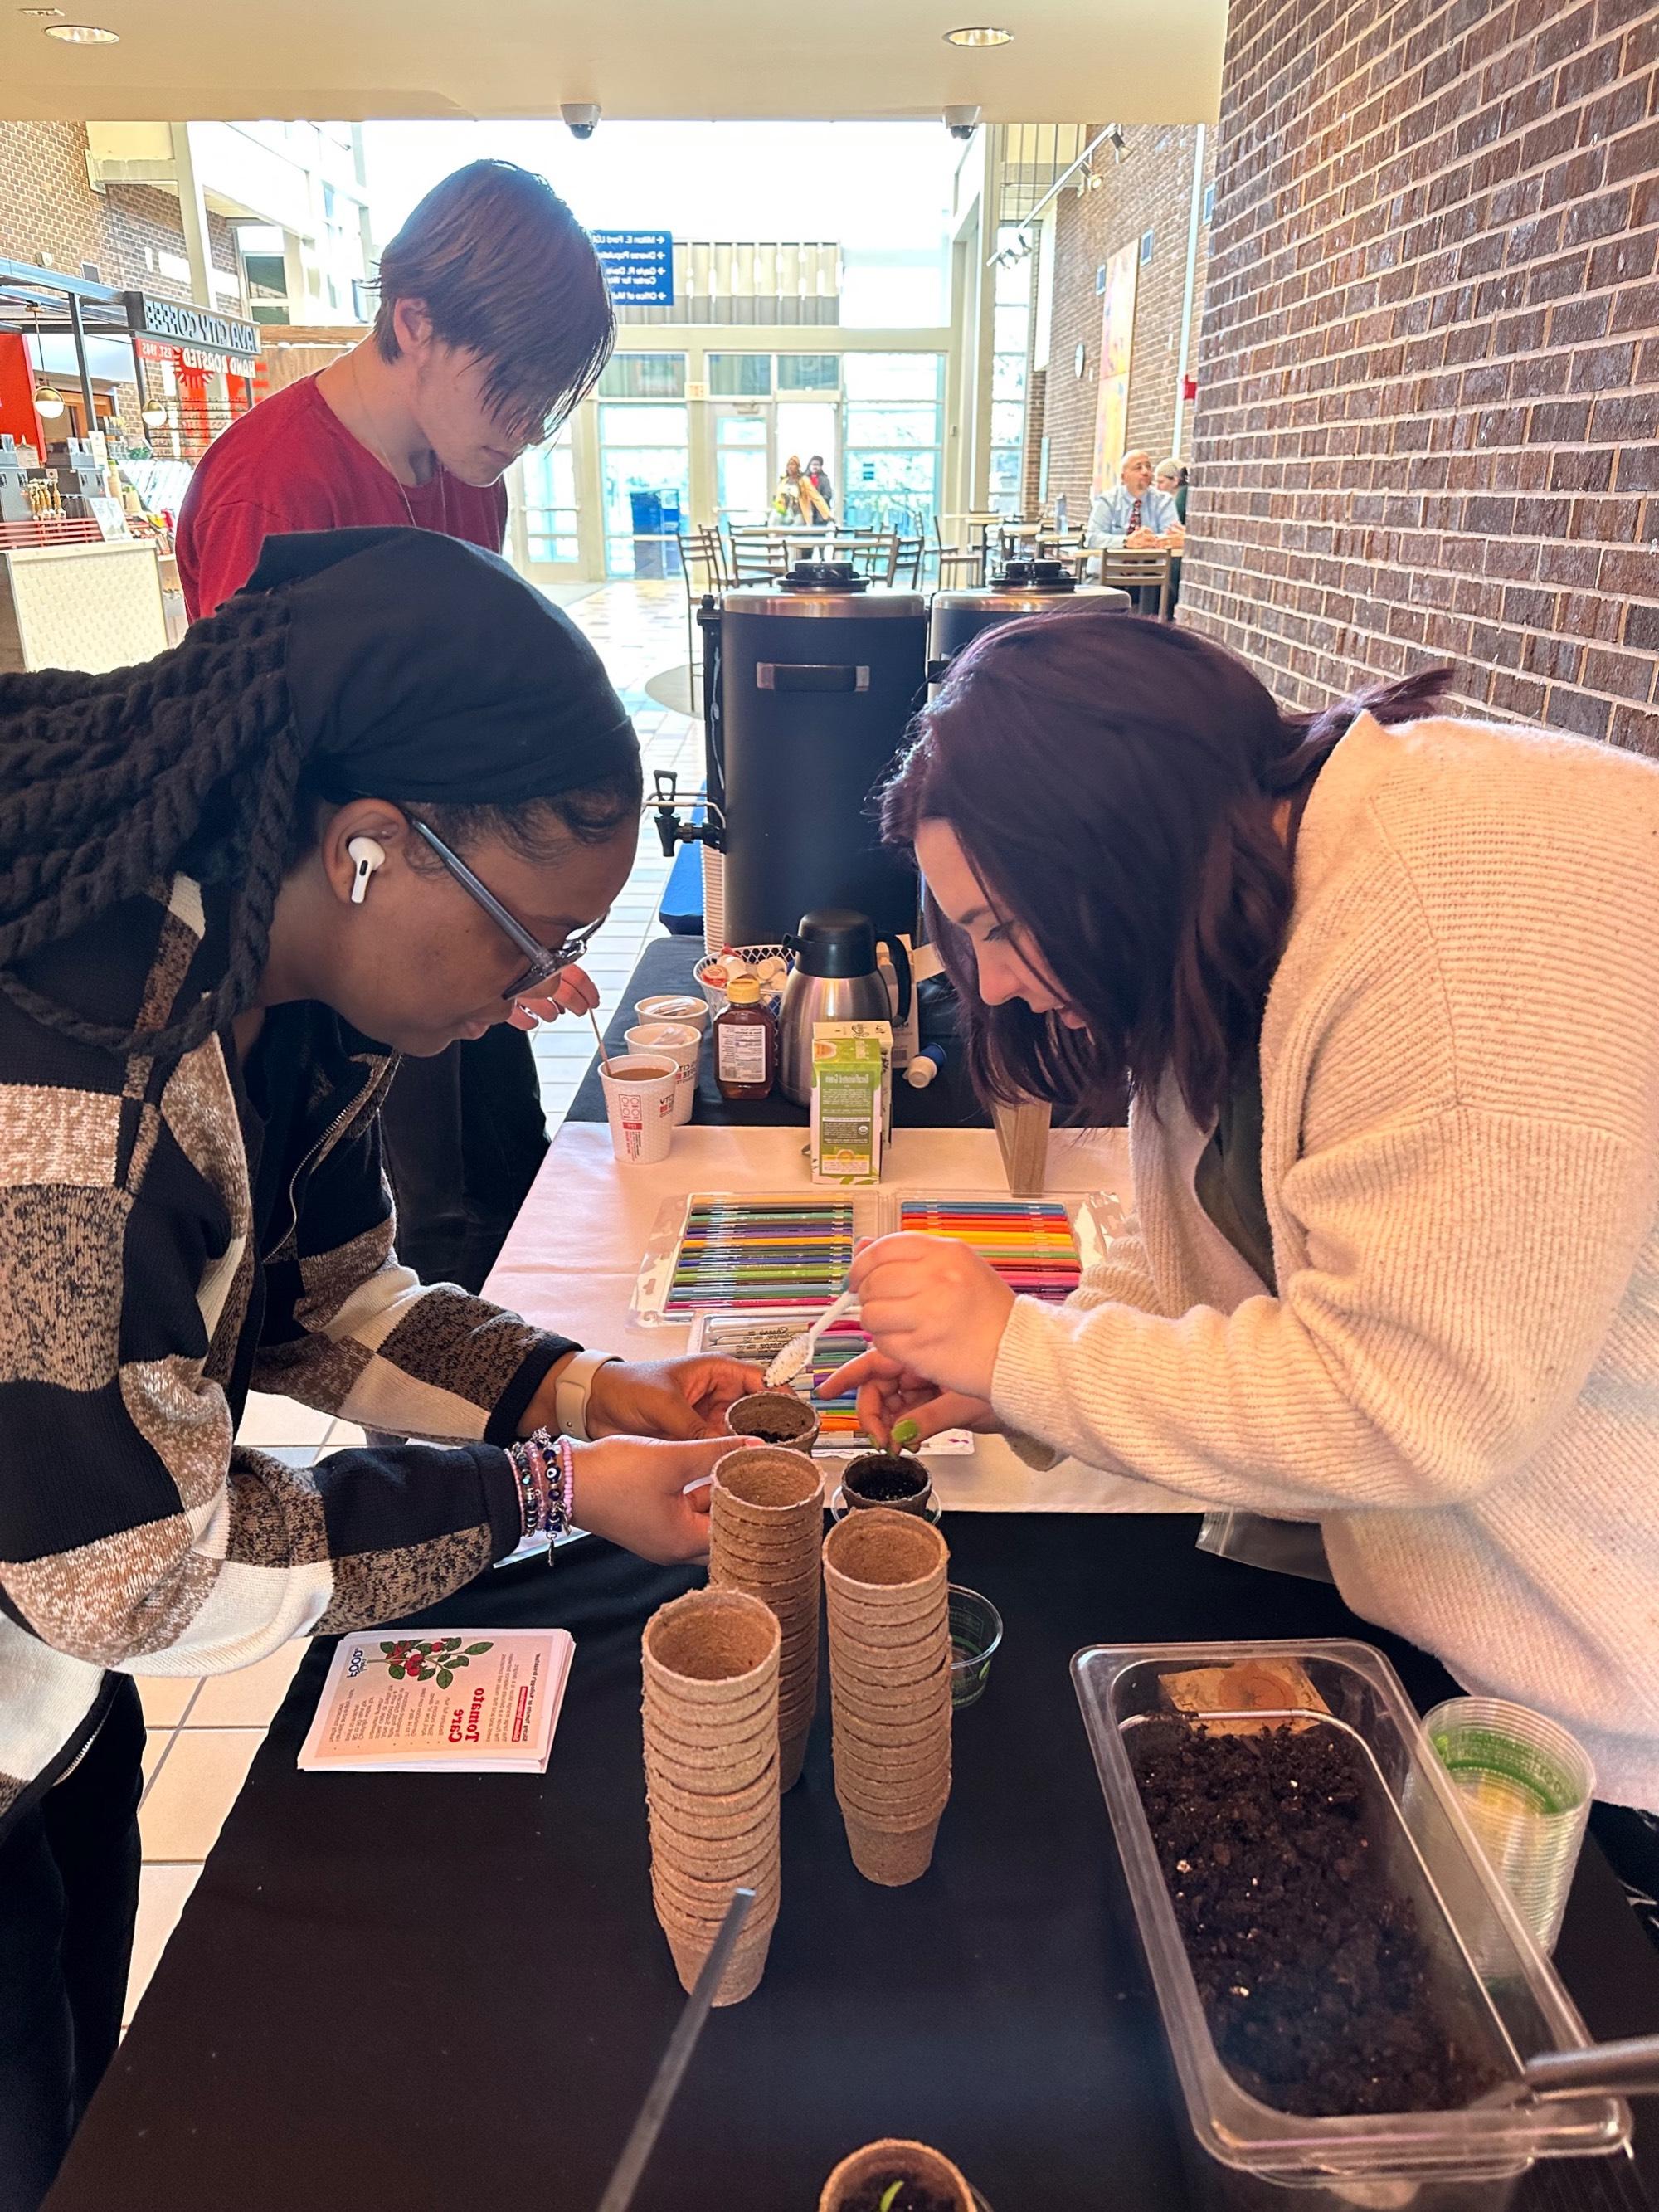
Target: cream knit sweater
(1460, 1374)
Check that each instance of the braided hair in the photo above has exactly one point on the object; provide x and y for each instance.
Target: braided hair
(104, 781)
(388, 663)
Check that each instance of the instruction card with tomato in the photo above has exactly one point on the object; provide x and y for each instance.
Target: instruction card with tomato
(483, 1700)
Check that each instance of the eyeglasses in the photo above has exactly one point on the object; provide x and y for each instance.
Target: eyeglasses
(544, 965)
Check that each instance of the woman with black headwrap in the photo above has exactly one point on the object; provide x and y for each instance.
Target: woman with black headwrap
(368, 807)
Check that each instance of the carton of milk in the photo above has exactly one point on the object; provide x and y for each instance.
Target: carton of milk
(851, 1076)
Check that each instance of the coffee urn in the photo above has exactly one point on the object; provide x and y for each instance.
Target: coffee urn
(1024, 587)
(810, 681)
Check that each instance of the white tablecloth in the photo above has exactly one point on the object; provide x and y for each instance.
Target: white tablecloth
(571, 1262)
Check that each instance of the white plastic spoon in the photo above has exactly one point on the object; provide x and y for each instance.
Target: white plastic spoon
(797, 1353)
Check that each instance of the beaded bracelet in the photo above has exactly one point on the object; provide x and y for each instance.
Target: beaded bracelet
(544, 1466)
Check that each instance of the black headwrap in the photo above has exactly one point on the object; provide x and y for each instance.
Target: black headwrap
(423, 669)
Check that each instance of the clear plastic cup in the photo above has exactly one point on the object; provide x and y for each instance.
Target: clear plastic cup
(975, 1635)
(638, 1103)
(683, 1045)
(1526, 1787)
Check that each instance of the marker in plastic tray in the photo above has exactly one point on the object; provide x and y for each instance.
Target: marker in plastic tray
(744, 1252)
(1029, 1243)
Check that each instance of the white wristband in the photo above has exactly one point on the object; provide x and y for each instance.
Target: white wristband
(570, 1392)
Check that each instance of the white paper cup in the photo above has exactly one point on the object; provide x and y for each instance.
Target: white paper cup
(681, 1044)
(639, 1103)
(676, 1006)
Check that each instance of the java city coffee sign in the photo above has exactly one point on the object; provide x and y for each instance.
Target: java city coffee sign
(182, 323)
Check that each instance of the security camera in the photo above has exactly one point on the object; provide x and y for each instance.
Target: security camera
(582, 116)
(962, 122)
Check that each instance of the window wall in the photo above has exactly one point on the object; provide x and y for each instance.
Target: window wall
(645, 462)
(550, 509)
(893, 421)
(1011, 316)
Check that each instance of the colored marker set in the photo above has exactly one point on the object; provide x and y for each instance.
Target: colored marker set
(1028, 1242)
(738, 1252)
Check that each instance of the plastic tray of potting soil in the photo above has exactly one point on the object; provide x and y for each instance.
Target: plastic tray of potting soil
(1217, 1739)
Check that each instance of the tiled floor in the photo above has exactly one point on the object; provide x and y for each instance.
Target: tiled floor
(203, 1736)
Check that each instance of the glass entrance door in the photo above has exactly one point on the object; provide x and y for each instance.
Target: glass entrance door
(744, 470)
(547, 521)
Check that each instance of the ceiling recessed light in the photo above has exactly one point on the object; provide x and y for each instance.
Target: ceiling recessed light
(83, 34)
(39, 11)
(979, 34)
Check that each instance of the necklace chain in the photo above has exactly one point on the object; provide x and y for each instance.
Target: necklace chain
(380, 453)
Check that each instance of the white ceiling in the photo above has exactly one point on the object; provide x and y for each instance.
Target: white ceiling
(1071, 61)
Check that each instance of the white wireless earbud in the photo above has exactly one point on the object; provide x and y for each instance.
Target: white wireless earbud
(368, 855)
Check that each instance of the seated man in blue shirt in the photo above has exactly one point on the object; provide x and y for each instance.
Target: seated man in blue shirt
(1134, 516)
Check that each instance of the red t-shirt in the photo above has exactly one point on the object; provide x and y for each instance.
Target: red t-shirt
(291, 464)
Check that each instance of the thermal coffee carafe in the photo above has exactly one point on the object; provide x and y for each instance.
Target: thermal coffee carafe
(810, 682)
(835, 979)
(1024, 587)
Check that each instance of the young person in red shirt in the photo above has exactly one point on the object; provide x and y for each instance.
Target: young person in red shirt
(494, 321)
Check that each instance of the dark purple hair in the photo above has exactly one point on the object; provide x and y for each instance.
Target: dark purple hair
(1113, 783)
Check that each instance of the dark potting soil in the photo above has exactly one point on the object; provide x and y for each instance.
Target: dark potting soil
(883, 1476)
(1318, 1984)
(912, 2197)
(782, 1427)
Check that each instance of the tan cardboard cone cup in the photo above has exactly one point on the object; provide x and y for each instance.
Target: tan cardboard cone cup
(879, 1735)
(709, 1727)
(901, 1647)
(896, 2160)
(743, 1975)
(765, 1487)
(890, 1857)
(879, 1549)
(791, 1757)
(711, 1647)
(894, 1805)
(703, 1775)
(888, 1684)
(888, 1613)
(705, 1815)
(710, 1855)
(788, 1423)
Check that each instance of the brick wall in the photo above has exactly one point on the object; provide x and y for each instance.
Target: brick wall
(1150, 190)
(46, 205)
(1429, 375)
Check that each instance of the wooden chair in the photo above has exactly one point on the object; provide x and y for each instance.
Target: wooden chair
(873, 553)
(1069, 550)
(757, 555)
(703, 569)
(1136, 572)
(907, 559)
(956, 564)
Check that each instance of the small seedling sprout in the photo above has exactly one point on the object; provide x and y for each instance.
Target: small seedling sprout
(906, 1435)
(889, 2194)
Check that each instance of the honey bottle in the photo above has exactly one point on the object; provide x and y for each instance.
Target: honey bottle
(745, 1043)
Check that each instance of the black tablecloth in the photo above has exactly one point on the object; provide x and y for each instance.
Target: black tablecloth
(447, 1993)
(666, 965)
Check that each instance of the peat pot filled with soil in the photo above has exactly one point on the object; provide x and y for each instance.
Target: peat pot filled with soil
(777, 1416)
(897, 2177)
(894, 1479)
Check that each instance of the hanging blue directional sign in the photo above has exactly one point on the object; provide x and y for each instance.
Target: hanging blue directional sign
(638, 266)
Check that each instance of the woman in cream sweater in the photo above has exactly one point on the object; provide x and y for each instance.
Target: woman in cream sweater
(1381, 989)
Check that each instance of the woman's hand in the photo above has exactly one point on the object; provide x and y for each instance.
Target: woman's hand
(572, 991)
(934, 1307)
(634, 1491)
(888, 1391)
(667, 1397)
